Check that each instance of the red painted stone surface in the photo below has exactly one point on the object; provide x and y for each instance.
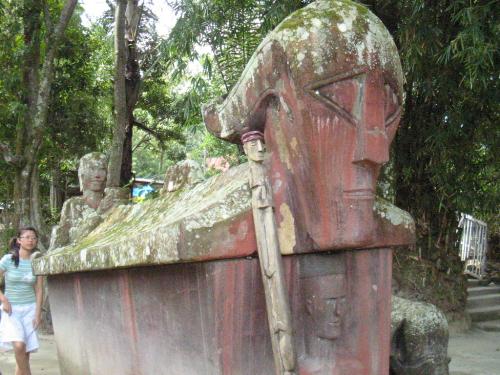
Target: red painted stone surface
(329, 114)
(209, 318)
(326, 90)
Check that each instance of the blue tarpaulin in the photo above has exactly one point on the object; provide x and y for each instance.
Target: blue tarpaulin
(142, 191)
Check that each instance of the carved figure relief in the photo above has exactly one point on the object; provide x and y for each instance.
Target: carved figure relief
(277, 304)
(325, 306)
(255, 149)
(324, 298)
(81, 214)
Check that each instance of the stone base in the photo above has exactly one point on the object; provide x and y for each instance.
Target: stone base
(210, 318)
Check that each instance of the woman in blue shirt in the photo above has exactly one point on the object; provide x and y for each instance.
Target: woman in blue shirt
(21, 303)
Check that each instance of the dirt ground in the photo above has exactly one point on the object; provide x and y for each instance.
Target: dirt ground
(475, 352)
(43, 362)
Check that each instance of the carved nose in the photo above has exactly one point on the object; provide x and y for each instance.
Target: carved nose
(372, 145)
(260, 146)
(372, 148)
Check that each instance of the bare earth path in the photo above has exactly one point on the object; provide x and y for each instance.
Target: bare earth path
(44, 362)
(475, 352)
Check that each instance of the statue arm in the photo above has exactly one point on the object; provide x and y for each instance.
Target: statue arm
(60, 233)
(113, 196)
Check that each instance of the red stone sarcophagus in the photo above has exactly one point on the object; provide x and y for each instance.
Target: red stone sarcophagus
(173, 285)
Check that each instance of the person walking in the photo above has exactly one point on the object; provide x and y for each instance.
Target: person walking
(21, 304)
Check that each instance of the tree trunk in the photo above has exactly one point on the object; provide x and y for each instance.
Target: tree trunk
(126, 167)
(132, 84)
(120, 102)
(56, 193)
(29, 135)
(36, 216)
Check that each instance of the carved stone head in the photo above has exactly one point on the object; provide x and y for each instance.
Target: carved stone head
(325, 305)
(253, 144)
(183, 174)
(92, 172)
(326, 90)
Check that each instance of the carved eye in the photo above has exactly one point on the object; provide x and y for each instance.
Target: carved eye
(341, 93)
(392, 108)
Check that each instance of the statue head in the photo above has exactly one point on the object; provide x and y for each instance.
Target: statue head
(325, 297)
(253, 144)
(326, 89)
(92, 172)
(183, 174)
(343, 115)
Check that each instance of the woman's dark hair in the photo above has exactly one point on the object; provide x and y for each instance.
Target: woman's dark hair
(14, 245)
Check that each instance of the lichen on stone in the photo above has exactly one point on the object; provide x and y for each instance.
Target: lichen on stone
(393, 214)
(152, 232)
(324, 37)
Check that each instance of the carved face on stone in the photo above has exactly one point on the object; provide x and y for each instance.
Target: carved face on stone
(353, 118)
(327, 88)
(253, 144)
(332, 132)
(92, 172)
(325, 305)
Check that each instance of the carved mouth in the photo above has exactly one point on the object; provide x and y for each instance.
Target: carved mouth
(360, 194)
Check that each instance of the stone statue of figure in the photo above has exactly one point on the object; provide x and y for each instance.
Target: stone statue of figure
(419, 339)
(81, 214)
(325, 305)
(327, 85)
(278, 307)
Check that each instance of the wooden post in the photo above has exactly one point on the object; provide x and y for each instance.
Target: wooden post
(278, 307)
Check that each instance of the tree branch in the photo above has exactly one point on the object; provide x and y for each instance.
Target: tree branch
(160, 136)
(157, 135)
(143, 140)
(48, 21)
(42, 102)
(64, 18)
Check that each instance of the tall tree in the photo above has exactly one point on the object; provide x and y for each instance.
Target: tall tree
(130, 83)
(133, 17)
(38, 74)
(120, 99)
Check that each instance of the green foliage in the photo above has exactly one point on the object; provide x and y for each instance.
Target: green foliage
(232, 28)
(11, 108)
(5, 235)
(78, 123)
(79, 108)
(449, 136)
(445, 155)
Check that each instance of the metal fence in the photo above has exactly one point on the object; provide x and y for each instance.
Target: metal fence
(473, 245)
